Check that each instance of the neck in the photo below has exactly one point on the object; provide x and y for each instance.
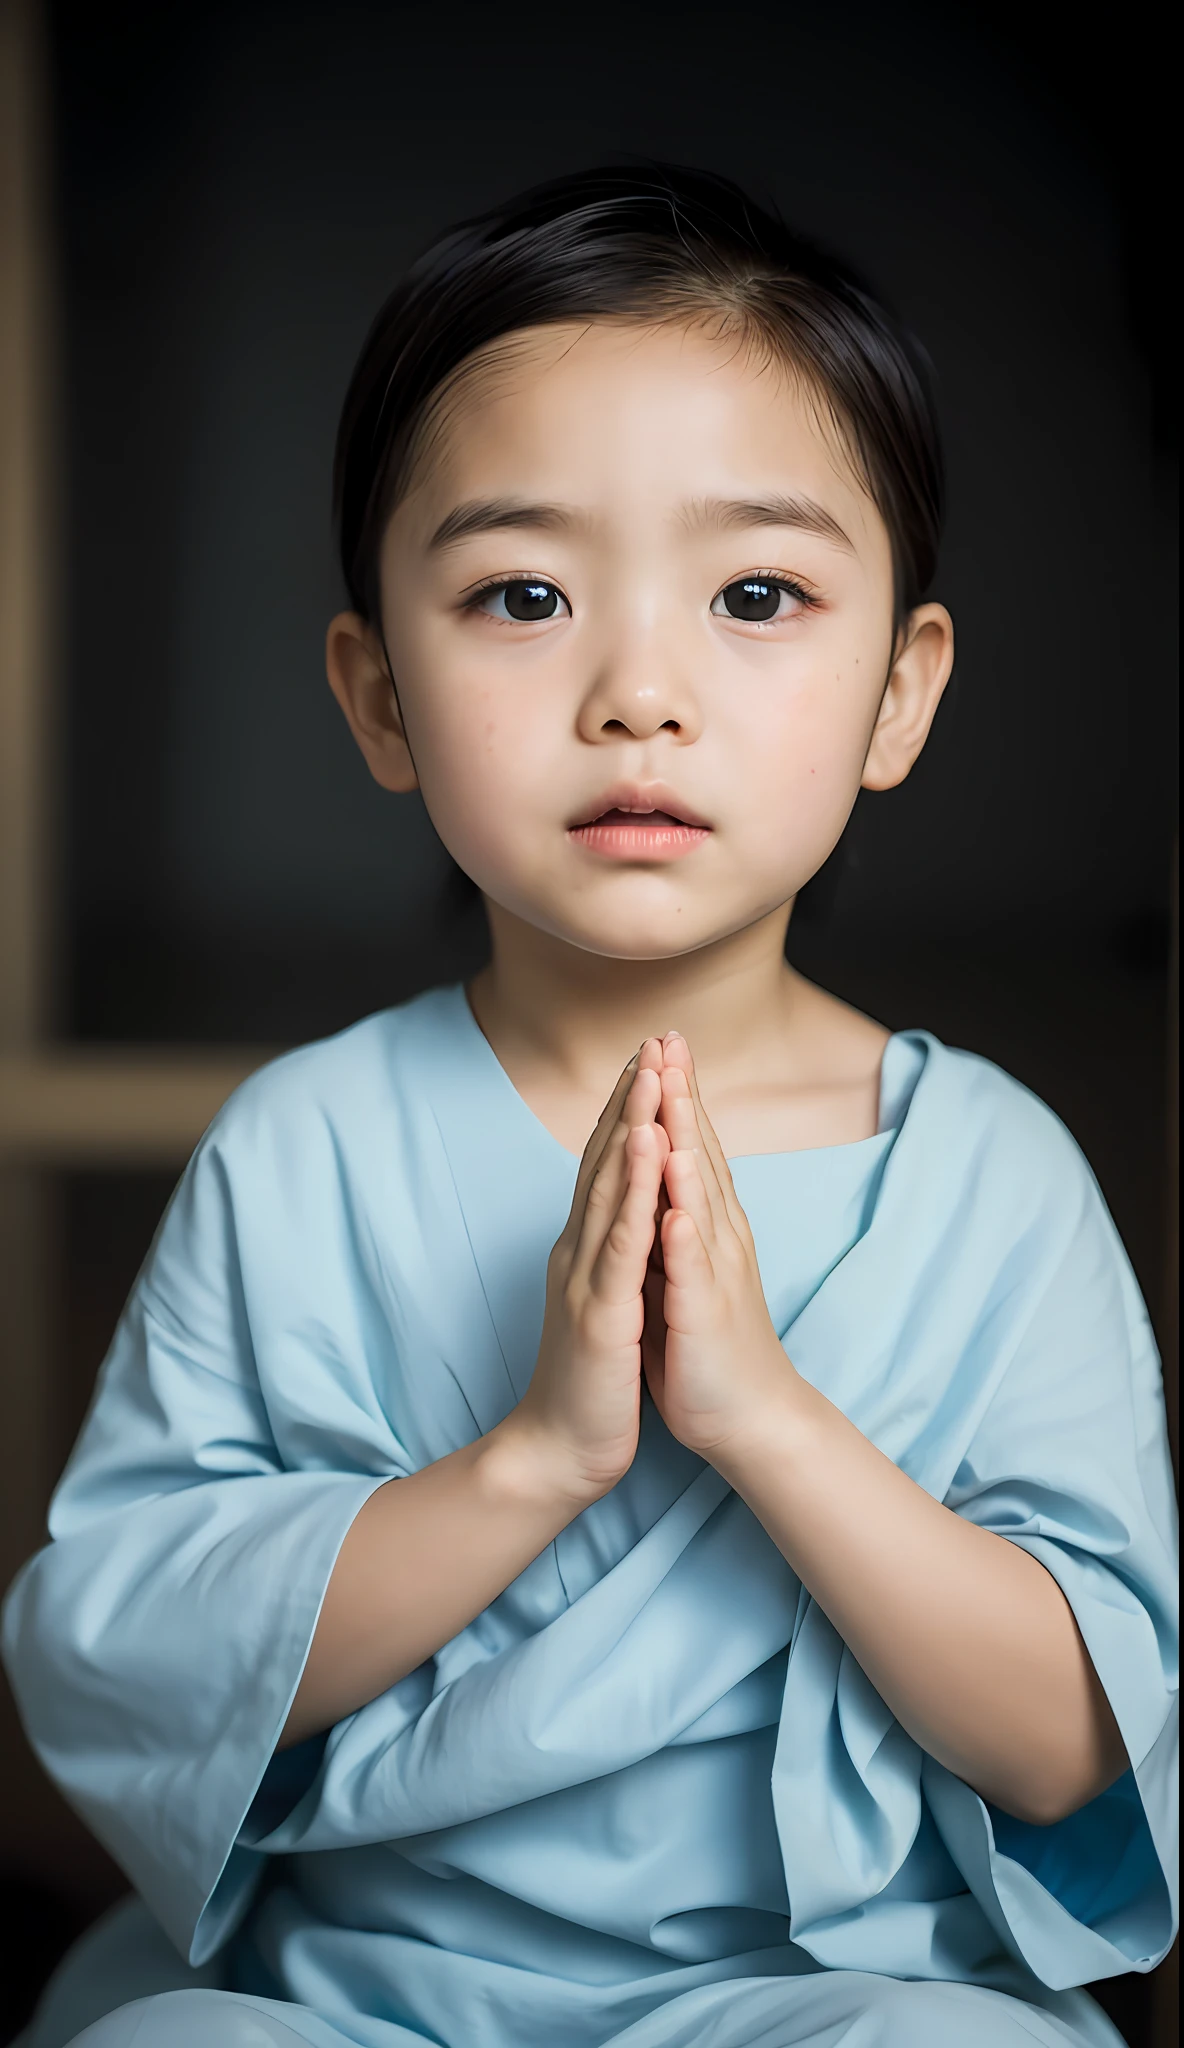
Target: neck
(547, 1004)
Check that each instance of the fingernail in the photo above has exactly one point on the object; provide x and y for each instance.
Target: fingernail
(670, 1035)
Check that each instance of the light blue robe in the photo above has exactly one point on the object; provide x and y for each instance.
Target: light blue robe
(648, 1795)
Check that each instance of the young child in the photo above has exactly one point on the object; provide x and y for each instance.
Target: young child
(709, 1582)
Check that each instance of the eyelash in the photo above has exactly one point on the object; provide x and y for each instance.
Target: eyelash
(779, 581)
(777, 577)
(480, 590)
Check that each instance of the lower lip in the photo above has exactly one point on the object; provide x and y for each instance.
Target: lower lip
(643, 836)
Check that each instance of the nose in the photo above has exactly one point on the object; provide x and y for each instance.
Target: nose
(638, 690)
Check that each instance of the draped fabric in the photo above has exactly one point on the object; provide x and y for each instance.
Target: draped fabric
(650, 1766)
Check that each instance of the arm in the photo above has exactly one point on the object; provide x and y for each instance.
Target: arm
(968, 1640)
(421, 1559)
(427, 1553)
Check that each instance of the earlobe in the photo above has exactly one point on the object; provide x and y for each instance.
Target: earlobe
(914, 690)
(355, 662)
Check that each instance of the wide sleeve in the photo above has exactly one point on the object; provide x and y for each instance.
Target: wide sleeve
(156, 1644)
(1070, 1461)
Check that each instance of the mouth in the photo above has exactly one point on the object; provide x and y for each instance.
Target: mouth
(640, 823)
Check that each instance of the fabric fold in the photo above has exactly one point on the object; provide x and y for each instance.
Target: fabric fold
(166, 1783)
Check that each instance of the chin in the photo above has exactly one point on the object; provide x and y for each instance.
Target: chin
(641, 940)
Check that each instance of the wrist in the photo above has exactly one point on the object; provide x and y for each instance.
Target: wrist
(784, 1432)
(525, 1467)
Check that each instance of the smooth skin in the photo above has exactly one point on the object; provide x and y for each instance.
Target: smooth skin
(638, 471)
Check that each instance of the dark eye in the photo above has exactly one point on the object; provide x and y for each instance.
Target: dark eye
(755, 599)
(524, 599)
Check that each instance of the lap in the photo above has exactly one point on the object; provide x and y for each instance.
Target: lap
(853, 2009)
(837, 2009)
(190, 2019)
(127, 1957)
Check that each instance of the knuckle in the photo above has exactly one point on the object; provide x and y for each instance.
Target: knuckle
(620, 1238)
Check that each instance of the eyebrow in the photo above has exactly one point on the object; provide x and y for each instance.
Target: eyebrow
(490, 515)
(493, 515)
(803, 514)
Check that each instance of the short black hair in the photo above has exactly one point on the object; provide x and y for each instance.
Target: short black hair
(641, 241)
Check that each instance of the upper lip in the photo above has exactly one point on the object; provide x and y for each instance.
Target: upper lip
(640, 797)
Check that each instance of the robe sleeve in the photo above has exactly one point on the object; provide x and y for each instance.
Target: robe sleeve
(1070, 1461)
(156, 1644)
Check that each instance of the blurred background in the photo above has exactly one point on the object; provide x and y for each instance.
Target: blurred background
(202, 207)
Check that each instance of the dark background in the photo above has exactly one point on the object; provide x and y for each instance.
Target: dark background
(236, 189)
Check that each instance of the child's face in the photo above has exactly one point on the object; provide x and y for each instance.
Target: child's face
(626, 483)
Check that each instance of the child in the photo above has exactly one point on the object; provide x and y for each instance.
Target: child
(769, 1637)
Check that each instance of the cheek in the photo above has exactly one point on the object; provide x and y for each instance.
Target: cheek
(805, 769)
(483, 751)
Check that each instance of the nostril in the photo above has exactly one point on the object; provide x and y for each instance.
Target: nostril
(631, 728)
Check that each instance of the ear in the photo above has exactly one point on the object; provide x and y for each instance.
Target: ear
(360, 680)
(916, 681)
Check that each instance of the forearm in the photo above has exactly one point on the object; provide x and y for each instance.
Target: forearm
(423, 1557)
(967, 1638)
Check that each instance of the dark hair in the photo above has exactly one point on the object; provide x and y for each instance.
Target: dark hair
(655, 241)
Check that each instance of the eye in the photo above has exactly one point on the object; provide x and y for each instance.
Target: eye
(523, 599)
(759, 600)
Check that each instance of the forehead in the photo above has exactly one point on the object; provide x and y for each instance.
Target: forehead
(614, 413)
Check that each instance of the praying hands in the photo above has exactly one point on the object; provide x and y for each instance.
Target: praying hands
(655, 1274)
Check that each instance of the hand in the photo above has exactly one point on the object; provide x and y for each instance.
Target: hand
(582, 1407)
(713, 1361)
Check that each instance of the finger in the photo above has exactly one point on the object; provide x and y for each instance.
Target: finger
(619, 1267)
(610, 1118)
(676, 1052)
(677, 1055)
(681, 1123)
(643, 1098)
(677, 1112)
(651, 1055)
(634, 1100)
(589, 1226)
(638, 1110)
(688, 1267)
(598, 1198)
(687, 1191)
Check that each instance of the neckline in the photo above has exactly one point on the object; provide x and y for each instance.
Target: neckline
(467, 1021)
